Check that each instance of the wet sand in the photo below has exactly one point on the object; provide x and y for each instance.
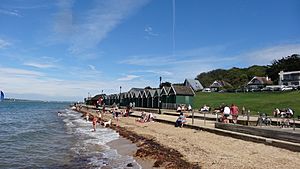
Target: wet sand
(126, 147)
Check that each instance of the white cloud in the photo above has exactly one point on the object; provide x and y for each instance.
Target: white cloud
(87, 33)
(10, 12)
(42, 62)
(149, 31)
(128, 78)
(266, 55)
(148, 60)
(39, 65)
(92, 67)
(160, 72)
(5, 72)
(4, 44)
(32, 83)
(190, 63)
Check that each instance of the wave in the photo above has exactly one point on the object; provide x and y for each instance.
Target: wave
(91, 147)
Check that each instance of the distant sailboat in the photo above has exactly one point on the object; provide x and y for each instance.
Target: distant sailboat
(2, 96)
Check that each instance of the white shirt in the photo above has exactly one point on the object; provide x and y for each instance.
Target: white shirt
(226, 110)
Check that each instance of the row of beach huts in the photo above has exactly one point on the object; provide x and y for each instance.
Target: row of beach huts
(165, 97)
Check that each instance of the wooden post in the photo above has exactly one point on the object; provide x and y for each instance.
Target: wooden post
(204, 118)
(294, 126)
(248, 112)
(192, 116)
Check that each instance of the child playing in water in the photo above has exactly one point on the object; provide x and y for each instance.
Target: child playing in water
(94, 123)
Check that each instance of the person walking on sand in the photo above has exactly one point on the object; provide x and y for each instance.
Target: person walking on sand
(94, 123)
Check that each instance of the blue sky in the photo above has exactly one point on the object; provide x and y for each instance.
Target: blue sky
(63, 50)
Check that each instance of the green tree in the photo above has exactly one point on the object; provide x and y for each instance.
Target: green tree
(237, 77)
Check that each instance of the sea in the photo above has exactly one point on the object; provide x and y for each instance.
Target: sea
(34, 135)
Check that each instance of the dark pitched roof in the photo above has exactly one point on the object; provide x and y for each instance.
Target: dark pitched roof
(165, 90)
(135, 92)
(151, 92)
(97, 97)
(135, 89)
(183, 90)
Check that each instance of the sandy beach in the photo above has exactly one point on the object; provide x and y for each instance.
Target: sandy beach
(199, 149)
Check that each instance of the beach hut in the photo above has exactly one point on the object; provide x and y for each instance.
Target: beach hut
(98, 99)
(140, 98)
(150, 97)
(144, 98)
(135, 96)
(180, 95)
(164, 96)
(123, 99)
(156, 97)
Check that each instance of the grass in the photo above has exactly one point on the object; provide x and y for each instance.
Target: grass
(254, 101)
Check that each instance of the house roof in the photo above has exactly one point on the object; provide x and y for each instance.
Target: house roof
(151, 92)
(219, 83)
(135, 91)
(165, 90)
(183, 90)
(97, 97)
(260, 80)
(157, 92)
(195, 84)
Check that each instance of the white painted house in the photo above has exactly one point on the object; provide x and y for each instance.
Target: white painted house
(289, 78)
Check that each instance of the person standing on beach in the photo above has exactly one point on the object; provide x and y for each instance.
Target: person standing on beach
(94, 123)
(87, 116)
(103, 108)
(234, 111)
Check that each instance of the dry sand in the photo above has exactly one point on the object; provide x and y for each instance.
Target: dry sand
(213, 151)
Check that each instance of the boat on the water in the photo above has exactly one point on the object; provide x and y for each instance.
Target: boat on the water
(1, 96)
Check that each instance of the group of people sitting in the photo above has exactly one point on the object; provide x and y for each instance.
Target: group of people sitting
(183, 107)
(205, 108)
(146, 117)
(226, 111)
(285, 115)
(116, 112)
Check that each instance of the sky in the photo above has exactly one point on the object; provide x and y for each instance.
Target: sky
(69, 49)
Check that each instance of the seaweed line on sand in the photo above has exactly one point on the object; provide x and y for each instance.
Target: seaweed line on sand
(148, 148)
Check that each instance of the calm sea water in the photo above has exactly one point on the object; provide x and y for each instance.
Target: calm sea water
(32, 135)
